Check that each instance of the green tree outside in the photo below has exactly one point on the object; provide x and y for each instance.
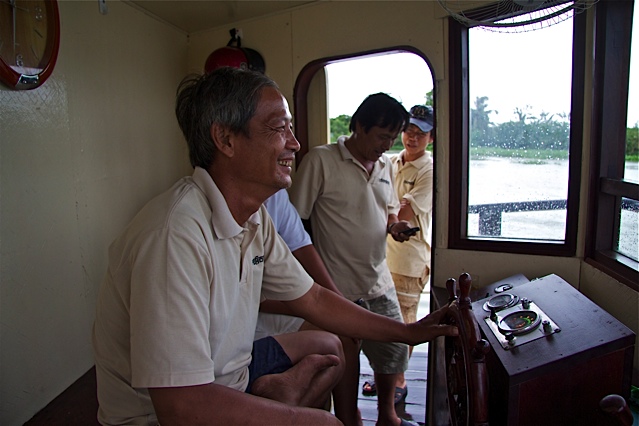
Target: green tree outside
(541, 138)
(339, 126)
(632, 143)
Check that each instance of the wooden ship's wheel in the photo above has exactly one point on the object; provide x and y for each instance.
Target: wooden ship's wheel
(465, 357)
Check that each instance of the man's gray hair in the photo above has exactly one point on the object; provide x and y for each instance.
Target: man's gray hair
(227, 96)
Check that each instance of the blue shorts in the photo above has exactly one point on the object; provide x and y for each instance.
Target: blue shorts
(268, 357)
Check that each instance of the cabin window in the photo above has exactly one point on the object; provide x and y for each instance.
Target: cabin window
(628, 241)
(612, 243)
(515, 138)
(519, 133)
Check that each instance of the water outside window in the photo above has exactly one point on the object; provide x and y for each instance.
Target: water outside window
(628, 231)
(628, 239)
(520, 92)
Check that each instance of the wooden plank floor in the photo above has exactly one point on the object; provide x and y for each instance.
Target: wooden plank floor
(414, 409)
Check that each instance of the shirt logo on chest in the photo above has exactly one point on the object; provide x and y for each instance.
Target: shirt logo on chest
(258, 259)
(384, 181)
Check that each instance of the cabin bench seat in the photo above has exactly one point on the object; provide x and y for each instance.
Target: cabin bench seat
(76, 406)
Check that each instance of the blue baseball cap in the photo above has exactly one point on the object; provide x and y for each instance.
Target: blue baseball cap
(422, 117)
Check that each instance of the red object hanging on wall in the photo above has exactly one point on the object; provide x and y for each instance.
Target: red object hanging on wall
(235, 56)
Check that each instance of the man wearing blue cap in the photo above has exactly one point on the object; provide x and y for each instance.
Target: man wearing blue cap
(409, 262)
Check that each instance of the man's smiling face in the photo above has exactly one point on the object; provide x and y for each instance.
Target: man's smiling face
(268, 153)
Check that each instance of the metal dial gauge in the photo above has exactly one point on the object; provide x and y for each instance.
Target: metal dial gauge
(501, 301)
(520, 322)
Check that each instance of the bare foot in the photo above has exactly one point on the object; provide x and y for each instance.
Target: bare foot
(308, 383)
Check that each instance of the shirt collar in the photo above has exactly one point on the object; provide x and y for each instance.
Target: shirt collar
(224, 225)
(424, 159)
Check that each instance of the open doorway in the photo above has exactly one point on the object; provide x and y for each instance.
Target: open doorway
(403, 75)
(329, 90)
(327, 94)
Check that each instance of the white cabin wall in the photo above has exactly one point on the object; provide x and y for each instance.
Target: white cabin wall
(486, 267)
(79, 156)
(289, 41)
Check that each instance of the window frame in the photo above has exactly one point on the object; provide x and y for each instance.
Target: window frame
(613, 31)
(459, 150)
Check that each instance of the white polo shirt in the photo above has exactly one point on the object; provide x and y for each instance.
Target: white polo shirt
(179, 303)
(349, 211)
(414, 182)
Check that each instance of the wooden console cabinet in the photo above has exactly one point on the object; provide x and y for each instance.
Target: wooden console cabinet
(554, 380)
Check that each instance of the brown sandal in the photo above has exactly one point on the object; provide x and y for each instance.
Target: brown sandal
(400, 394)
(369, 389)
